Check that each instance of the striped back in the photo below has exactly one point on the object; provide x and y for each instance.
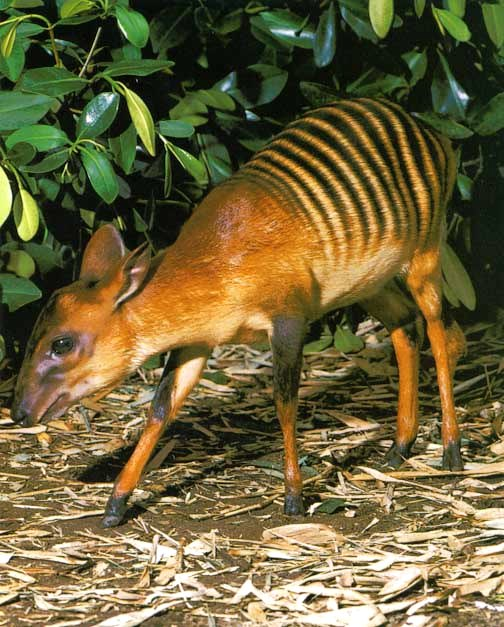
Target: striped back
(360, 171)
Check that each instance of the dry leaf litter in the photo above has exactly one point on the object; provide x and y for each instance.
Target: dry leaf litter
(205, 541)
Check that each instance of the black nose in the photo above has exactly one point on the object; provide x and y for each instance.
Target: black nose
(20, 416)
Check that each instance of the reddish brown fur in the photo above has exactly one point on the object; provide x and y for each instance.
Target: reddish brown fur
(246, 259)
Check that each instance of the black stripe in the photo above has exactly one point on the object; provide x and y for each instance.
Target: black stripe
(435, 148)
(390, 129)
(269, 156)
(264, 179)
(416, 154)
(329, 185)
(446, 171)
(311, 153)
(367, 156)
(438, 167)
(289, 152)
(339, 152)
(398, 169)
(294, 203)
(362, 118)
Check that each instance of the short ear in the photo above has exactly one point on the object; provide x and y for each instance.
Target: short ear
(133, 270)
(104, 250)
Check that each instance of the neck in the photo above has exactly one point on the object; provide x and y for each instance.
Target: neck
(176, 307)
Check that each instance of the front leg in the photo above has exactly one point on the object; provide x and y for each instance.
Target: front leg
(181, 373)
(287, 345)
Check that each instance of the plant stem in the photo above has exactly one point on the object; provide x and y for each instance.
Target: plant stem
(57, 59)
(91, 52)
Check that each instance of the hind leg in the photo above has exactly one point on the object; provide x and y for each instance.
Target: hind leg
(424, 282)
(398, 312)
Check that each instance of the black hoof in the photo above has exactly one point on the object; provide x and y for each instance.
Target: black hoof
(293, 505)
(115, 510)
(452, 459)
(397, 453)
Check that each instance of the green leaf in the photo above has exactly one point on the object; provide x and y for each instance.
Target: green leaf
(359, 7)
(26, 4)
(319, 345)
(490, 118)
(140, 225)
(69, 8)
(190, 105)
(97, 115)
(26, 215)
(17, 109)
(324, 45)
(493, 16)
(189, 162)
(171, 26)
(45, 257)
(124, 148)
(51, 81)
(286, 27)
(133, 25)
(419, 7)
(175, 128)
(346, 341)
(448, 127)
(216, 157)
(359, 23)
(21, 154)
(142, 119)
(8, 40)
(381, 15)
(229, 23)
(376, 83)
(142, 67)
(449, 294)
(49, 163)
(456, 277)
(49, 187)
(317, 94)
(28, 30)
(5, 196)
(168, 175)
(262, 84)
(16, 292)
(77, 20)
(216, 99)
(21, 263)
(41, 136)
(465, 186)
(448, 96)
(100, 174)
(329, 506)
(457, 7)
(453, 24)
(13, 65)
(417, 63)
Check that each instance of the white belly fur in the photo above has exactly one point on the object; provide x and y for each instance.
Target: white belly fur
(347, 284)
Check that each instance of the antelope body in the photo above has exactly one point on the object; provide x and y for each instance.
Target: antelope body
(345, 205)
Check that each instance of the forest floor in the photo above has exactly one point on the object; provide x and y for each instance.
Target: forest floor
(205, 542)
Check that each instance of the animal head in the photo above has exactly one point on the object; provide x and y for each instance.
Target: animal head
(81, 340)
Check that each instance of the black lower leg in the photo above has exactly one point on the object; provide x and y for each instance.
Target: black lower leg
(397, 453)
(452, 457)
(287, 344)
(117, 504)
(115, 510)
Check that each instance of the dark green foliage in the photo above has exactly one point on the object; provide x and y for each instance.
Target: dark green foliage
(127, 111)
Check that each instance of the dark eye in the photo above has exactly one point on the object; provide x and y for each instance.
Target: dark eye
(62, 345)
